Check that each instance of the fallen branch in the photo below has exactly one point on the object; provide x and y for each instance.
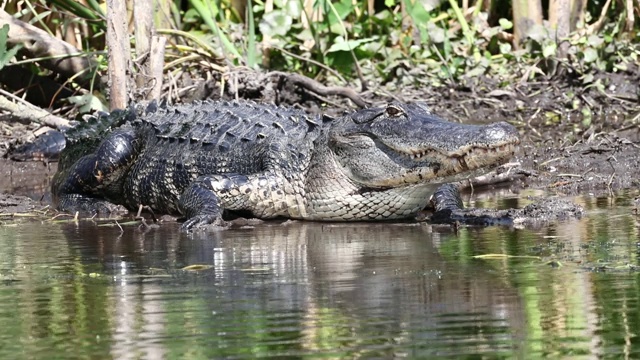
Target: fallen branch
(320, 89)
(504, 173)
(27, 112)
(65, 59)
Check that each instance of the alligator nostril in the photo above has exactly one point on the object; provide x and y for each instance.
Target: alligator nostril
(501, 131)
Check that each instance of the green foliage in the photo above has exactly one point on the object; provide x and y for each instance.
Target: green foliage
(88, 103)
(208, 10)
(94, 14)
(6, 54)
(403, 42)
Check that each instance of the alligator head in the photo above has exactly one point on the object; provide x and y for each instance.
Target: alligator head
(404, 144)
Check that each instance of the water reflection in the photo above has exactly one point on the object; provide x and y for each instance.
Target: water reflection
(336, 290)
(340, 290)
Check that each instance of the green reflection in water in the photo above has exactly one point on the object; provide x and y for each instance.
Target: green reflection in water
(49, 306)
(360, 290)
(571, 310)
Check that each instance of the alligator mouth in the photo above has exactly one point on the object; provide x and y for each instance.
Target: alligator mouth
(506, 148)
(469, 158)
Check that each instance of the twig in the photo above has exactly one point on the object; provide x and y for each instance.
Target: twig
(60, 215)
(318, 88)
(316, 63)
(145, 207)
(121, 230)
(143, 223)
(595, 27)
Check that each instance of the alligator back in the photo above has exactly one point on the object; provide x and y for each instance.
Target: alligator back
(180, 144)
(227, 123)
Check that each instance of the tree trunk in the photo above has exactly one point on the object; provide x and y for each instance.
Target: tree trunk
(119, 53)
(560, 20)
(578, 10)
(525, 15)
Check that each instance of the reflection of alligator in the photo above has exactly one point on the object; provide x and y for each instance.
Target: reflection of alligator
(200, 160)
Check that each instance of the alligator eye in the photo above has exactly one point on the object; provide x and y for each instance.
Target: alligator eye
(394, 110)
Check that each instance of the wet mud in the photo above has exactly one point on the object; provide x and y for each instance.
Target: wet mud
(560, 153)
(601, 165)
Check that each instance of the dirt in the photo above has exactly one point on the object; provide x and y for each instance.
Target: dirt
(565, 149)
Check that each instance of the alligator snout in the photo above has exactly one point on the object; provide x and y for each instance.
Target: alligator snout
(498, 134)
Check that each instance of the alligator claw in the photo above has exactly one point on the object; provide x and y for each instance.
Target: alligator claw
(201, 222)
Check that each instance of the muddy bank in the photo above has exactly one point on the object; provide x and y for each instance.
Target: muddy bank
(574, 140)
(602, 164)
(12, 206)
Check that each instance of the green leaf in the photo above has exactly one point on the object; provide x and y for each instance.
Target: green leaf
(293, 9)
(206, 12)
(505, 24)
(341, 45)
(595, 41)
(436, 34)
(78, 9)
(587, 79)
(549, 49)
(275, 23)
(477, 71)
(88, 103)
(587, 116)
(621, 67)
(538, 33)
(417, 11)
(505, 48)
(590, 55)
(6, 54)
(344, 8)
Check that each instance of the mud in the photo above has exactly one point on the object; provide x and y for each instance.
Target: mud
(16, 205)
(601, 164)
(565, 150)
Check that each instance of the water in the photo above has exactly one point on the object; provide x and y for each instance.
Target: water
(79, 290)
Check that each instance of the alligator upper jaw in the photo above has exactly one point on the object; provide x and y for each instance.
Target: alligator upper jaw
(431, 165)
(471, 152)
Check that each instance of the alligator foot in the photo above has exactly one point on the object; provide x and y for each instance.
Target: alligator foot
(448, 210)
(202, 222)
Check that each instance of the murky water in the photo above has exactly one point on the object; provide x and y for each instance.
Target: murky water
(79, 290)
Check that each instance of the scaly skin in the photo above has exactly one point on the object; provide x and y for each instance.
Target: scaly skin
(202, 160)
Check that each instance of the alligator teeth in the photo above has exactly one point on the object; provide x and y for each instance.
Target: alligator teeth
(418, 155)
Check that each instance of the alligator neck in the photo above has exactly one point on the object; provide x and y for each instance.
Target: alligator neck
(332, 196)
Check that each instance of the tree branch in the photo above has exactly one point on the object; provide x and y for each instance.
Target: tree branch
(28, 112)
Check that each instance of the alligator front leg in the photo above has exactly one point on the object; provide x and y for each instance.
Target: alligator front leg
(94, 179)
(264, 195)
(449, 209)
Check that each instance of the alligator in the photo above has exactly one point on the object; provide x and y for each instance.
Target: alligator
(207, 160)
(46, 147)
